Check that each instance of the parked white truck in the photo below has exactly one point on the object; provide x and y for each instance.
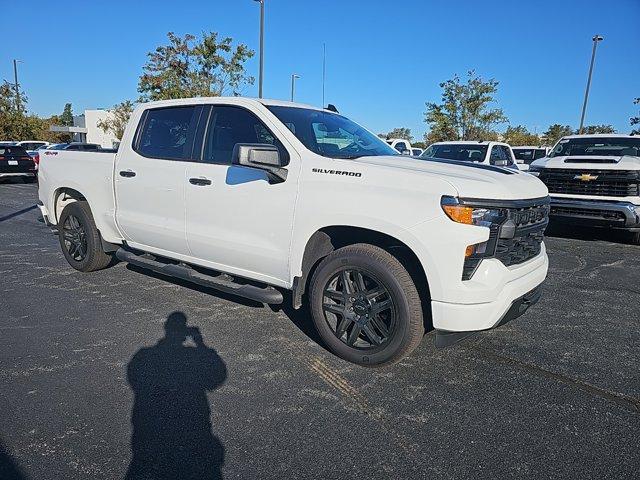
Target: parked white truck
(253, 197)
(594, 180)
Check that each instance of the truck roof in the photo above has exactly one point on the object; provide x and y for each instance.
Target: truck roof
(228, 100)
(470, 142)
(607, 135)
(529, 146)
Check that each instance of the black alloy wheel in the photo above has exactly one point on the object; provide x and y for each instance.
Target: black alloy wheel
(359, 309)
(75, 238)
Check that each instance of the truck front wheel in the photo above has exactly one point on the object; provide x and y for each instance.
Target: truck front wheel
(365, 306)
(80, 239)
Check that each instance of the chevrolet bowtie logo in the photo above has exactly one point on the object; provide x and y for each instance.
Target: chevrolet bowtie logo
(585, 177)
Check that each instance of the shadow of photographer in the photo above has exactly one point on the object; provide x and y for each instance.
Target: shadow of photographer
(171, 417)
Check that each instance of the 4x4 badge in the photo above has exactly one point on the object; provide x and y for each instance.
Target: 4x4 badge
(585, 177)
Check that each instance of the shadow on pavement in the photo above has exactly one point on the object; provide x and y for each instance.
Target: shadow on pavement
(9, 469)
(171, 417)
(588, 234)
(18, 213)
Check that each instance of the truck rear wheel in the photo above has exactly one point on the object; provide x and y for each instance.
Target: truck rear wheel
(80, 239)
(365, 306)
(635, 238)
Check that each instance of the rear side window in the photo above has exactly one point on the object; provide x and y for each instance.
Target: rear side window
(231, 125)
(401, 147)
(167, 133)
(540, 153)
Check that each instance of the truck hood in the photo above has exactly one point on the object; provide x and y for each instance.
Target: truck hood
(592, 162)
(471, 180)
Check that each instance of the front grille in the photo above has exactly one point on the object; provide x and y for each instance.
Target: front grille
(601, 183)
(516, 237)
(530, 224)
(521, 248)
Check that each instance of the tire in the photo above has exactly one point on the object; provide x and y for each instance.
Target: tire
(358, 294)
(635, 238)
(80, 239)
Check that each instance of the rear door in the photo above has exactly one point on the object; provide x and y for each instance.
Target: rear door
(237, 221)
(150, 179)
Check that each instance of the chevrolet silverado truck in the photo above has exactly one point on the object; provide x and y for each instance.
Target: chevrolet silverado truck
(594, 180)
(260, 197)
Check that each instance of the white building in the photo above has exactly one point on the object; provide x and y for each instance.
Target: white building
(85, 129)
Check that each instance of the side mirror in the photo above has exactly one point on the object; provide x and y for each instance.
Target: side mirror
(262, 156)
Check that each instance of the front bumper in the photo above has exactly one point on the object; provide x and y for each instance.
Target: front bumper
(518, 307)
(509, 285)
(596, 213)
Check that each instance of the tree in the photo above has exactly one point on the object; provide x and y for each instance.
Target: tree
(465, 112)
(191, 67)
(555, 132)
(117, 119)
(592, 129)
(402, 132)
(636, 120)
(66, 119)
(519, 135)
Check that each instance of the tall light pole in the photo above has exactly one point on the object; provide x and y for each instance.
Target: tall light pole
(596, 39)
(261, 2)
(15, 76)
(293, 84)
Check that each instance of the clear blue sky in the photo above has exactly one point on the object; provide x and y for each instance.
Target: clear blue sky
(384, 59)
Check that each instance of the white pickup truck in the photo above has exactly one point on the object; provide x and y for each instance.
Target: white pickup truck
(594, 180)
(253, 197)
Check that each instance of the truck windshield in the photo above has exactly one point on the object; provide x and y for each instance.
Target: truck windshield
(604, 146)
(457, 151)
(329, 134)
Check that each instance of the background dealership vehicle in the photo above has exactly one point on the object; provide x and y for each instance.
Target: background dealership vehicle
(16, 162)
(489, 153)
(524, 155)
(254, 196)
(594, 180)
(401, 145)
(416, 152)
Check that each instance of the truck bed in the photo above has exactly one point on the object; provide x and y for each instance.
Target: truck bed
(90, 174)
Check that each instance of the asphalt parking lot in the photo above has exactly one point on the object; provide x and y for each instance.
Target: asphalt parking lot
(92, 387)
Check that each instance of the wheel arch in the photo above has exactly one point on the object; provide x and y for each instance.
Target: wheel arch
(329, 238)
(62, 197)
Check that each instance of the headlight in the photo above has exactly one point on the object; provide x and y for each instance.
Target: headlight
(460, 213)
(490, 218)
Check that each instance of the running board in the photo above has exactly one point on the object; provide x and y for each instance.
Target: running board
(223, 282)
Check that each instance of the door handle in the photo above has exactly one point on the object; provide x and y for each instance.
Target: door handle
(127, 173)
(200, 181)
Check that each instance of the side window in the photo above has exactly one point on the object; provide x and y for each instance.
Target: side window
(507, 154)
(168, 133)
(496, 154)
(230, 125)
(540, 153)
(401, 147)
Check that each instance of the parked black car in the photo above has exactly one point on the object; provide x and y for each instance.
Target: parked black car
(16, 162)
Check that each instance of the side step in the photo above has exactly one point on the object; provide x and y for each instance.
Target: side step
(224, 283)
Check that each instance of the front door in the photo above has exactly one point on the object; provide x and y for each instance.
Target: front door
(236, 220)
(150, 179)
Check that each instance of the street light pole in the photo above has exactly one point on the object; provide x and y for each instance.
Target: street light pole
(293, 84)
(15, 76)
(596, 39)
(261, 2)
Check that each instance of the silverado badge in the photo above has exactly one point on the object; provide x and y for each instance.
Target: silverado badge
(585, 177)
